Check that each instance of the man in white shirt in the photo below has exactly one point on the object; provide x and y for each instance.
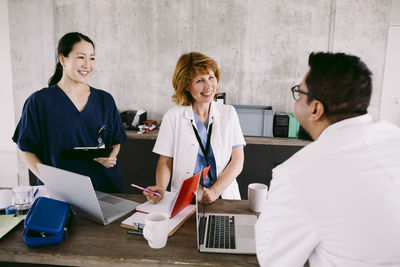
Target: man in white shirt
(336, 202)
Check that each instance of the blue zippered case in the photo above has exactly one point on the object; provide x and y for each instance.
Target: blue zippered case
(46, 222)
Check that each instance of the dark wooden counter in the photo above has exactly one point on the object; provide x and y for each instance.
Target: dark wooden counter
(261, 154)
(92, 244)
(254, 140)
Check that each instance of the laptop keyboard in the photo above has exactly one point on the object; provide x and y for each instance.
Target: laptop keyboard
(220, 232)
(109, 211)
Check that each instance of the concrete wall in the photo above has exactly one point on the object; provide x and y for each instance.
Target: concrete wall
(261, 46)
(6, 91)
(8, 151)
(390, 105)
(361, 28)
(395, 13)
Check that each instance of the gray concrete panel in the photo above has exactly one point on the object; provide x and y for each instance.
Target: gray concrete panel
(365, 36)
(261, 46)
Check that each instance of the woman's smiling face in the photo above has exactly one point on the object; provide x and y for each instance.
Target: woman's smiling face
(79, 63)
(203, 88)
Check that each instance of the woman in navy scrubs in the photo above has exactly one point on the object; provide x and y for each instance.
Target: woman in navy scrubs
(69, 113)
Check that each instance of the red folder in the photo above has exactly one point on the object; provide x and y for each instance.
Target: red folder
(173, 203)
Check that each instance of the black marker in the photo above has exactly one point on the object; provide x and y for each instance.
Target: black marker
(132, 232)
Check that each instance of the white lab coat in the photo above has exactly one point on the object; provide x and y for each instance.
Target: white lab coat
(336, 202)
(176, 139)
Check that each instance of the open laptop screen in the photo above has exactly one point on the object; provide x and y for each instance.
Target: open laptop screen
(200, 211)
(200, 219)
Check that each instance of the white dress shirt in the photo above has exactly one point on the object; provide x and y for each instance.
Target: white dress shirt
(336, 202)
(176, 139)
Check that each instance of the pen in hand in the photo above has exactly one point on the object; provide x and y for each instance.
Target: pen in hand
(144, 189)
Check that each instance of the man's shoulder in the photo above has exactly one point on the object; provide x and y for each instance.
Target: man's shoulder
(385, 126)
(301, 161)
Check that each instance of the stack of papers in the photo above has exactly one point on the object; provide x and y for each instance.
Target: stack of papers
(8, 222)
(173, 224)
(5, 198)
(175, 204)
(164, 205)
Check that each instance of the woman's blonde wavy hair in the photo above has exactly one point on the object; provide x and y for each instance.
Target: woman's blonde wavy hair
(189, 66)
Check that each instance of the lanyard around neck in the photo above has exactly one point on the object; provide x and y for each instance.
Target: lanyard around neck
(207, 148)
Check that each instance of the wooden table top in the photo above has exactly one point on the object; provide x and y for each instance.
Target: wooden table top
(90, 244)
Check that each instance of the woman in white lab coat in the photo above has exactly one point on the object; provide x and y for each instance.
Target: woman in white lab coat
(199, 132)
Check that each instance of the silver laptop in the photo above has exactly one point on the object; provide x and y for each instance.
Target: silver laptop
(77, 190)
(224, 233)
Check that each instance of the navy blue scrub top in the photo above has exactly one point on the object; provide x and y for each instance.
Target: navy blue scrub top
(50, 121)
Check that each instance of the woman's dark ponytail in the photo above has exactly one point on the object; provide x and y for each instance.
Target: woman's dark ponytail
(65, 46)
(57, 74)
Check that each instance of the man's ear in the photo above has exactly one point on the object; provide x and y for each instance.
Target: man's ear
(316, 110)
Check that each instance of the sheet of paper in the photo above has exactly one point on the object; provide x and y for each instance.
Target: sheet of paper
(8, 222)
(163, 206)
(5, 198)
(139, 217)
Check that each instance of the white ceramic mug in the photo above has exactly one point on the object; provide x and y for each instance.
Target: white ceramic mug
(156, 229)
(257, 195)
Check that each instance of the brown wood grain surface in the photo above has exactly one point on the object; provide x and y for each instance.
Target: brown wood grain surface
(90, 243)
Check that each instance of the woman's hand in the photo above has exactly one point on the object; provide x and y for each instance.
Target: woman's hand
(209, 195)
(112, 159)
(229, 174)
(107, 162)
(153, 199)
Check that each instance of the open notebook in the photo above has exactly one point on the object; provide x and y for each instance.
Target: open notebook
(137, 220)
(173, 202)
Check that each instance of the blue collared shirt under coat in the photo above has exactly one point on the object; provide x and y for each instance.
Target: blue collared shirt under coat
(201, 162)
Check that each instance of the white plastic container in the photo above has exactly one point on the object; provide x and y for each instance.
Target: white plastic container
(255, 120)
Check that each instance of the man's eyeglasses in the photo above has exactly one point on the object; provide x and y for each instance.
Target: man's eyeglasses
(296, 92)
